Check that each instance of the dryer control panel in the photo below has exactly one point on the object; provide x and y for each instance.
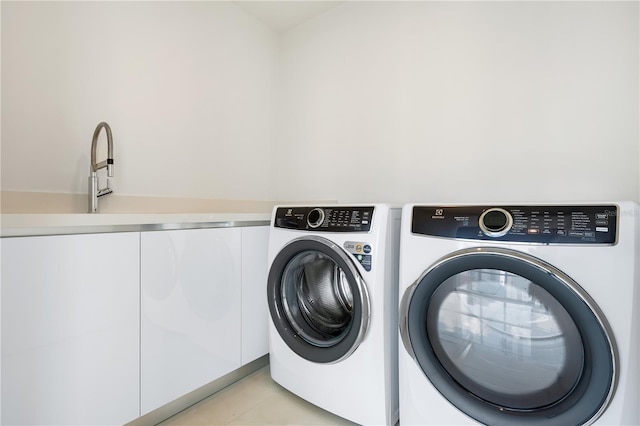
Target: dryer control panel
(568, 224)
(327, 219)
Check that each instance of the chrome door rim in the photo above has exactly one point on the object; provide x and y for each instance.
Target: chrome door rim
(358, 288)
(531, 261)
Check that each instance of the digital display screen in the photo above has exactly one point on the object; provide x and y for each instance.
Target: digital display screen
(495, 220)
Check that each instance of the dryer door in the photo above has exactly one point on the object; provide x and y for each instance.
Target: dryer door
(317, 299)
(509, 339)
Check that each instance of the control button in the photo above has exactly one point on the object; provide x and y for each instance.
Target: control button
(602, 229)
(367, 248)
(533, 231)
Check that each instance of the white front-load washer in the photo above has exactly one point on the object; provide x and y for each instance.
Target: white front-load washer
(519, 314)
(333, 298)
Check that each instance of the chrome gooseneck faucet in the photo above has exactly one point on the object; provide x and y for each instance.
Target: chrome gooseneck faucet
(94, 192)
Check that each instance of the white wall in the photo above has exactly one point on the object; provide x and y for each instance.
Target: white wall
(378, 101)
(187, 87)
(462, 102)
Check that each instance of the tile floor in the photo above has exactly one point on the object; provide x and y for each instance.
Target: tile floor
(254, 400)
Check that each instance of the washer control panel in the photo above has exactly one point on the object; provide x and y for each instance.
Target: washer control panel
(327, 219)
(569, 224)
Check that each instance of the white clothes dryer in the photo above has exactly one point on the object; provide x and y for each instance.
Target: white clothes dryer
(333, 298)
(519, 315)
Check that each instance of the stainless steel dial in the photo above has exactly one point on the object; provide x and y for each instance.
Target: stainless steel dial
(315, 217)
(495, 222)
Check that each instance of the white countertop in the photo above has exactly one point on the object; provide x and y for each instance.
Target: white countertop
(14, 225)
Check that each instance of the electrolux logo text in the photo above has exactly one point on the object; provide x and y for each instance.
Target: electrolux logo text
(439, 214)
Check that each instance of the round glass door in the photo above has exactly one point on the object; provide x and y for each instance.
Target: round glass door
(509, 339)
(317, 299)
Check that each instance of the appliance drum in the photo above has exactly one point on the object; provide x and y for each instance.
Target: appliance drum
(317, 298)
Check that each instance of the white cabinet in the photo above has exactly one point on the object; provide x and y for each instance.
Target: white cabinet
(70, 329)
(255, 310)
(104, 328)
(191, 311)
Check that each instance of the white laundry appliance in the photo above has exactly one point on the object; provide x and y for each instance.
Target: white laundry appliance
(519, 314)
(333, 298)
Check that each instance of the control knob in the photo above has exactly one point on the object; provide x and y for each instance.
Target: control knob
(495, 222)
(315, 218)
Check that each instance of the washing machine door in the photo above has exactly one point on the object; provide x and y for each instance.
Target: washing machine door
(509, 339)
(318, 300)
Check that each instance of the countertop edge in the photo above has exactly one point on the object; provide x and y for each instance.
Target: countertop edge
(23, 225)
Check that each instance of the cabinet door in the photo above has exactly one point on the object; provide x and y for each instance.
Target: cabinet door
(191, 311)
(255, 310)
(70, 329)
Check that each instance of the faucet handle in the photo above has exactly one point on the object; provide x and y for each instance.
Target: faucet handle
(104, 191)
